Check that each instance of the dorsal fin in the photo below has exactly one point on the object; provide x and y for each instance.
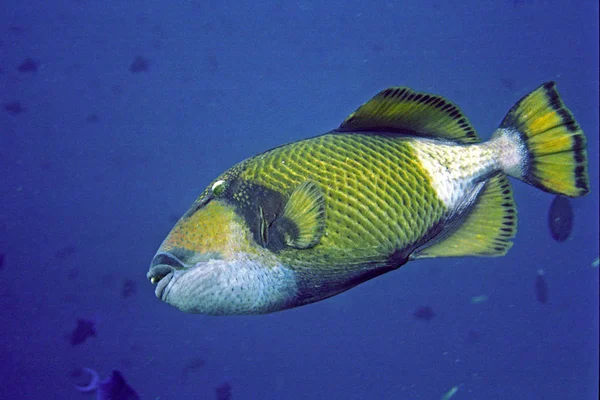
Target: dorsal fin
(306, 210)
(486, 231)
(401, 110)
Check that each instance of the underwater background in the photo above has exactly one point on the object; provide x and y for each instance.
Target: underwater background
(116, 115)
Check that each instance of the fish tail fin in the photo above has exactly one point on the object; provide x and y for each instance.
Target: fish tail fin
(540, 143)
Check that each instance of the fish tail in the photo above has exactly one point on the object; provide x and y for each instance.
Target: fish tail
(540, 143)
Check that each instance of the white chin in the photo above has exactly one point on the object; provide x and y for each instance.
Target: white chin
(239, 287)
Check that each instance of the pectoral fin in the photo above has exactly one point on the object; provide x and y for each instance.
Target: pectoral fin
(305, 212)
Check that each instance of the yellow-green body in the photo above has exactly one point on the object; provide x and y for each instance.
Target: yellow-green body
(378, 198)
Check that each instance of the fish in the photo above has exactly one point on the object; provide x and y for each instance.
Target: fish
(85, 329)
(560, 218)
(223, 391)
(128, 289)
(113, 387)
(14, 107)
(405, 177)
(139, 64)
(28, 65)
(424, 313)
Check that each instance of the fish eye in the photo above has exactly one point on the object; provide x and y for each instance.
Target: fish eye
(219, 187)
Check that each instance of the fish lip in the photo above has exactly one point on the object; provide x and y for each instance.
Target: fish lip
(161, 286)
(164, 273)
(166, 258)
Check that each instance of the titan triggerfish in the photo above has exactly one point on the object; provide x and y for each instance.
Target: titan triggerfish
(404, 177)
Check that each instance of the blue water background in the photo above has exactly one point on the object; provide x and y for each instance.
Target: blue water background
(101, 162)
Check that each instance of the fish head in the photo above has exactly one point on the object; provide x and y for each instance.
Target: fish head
(211, 262)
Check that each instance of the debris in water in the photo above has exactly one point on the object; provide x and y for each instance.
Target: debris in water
(541, 288)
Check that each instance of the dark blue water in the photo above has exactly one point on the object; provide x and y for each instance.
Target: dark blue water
(99, 156)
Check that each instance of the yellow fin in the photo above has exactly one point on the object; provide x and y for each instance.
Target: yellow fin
(487, 230)
(555, 157)
(306, 210)
(401, 110)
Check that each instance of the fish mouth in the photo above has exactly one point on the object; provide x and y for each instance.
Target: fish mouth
(161, 275)
(162, 270)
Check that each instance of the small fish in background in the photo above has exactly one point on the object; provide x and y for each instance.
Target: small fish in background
(541, 287)
(13, 107)
(28, 65)
(92, 118)
(129, 288)
(560, 218)
(139, 64)
(17, 29)
(223, 391)
(113, 387)
(424, 313)
(84, 330)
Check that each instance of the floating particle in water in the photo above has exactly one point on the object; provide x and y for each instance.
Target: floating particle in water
(479, 299)
(560, 218)
(450, 393)
(541, 287)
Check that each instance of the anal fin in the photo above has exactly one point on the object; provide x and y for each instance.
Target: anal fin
(486, 231)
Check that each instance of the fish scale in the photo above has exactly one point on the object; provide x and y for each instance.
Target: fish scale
(380, 204)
